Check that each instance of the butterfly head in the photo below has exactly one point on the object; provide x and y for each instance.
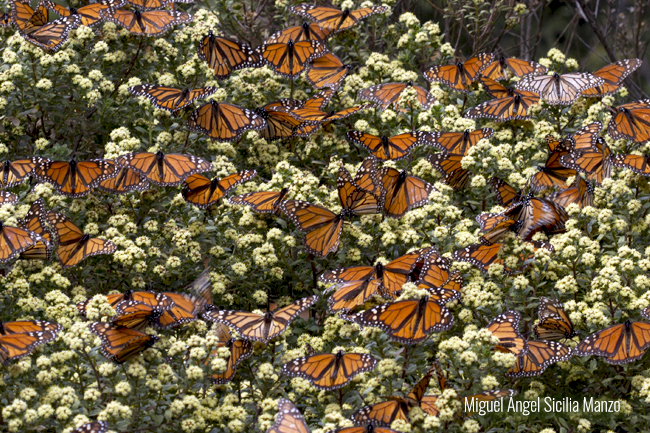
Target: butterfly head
(2, 329)
(502, 61)
(268, 317)
(466, 135)
(127, 295)
(229, 343)
(556, 77)
(628, 325)
(262, 113)
(379, 270)
(305, 27)
(459, 65)
(290, 44)
(160, 156)
(138, 14)
(73, 11)
(409, 83)
(346, 13)
(6, 165)
(73, 163)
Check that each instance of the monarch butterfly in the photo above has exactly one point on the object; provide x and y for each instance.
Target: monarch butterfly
(497, 69)
(224, 55)
(335, 20)
(53, 35)
(15, 346)
(357, 284)
(5, 20)
(618, 344)
(407, 322)
(26, 19)
(536, 214)
(261, 327)
(224, 122)
(457, 142)
(540, 355)
(383, 95)
(613, 75)
(328, 371)
(630, 121)
(92, 427)
(506, 328)
(35, 221)
(443, 287)
(483, 256)
(138, 315)
(8, 198)
(509, 105)
(450, 167)
(14, 173)
(120, 343)
(73, 244)
(460, 75)
(596, 162)
(504, 193)
(367, 177)
(554, 323)
(203, 192)
(581, 192)
(164, 169)
(402, 192)
(384, 148)
(151, 23)
(15, 240)
(125, 181)
(552, 174)
(186, 309)
(365, 429)
(279, 122)
(239, 351)
(636, 163)
(307, 128)
(559, 89)
(496, 226)
(262, 202)
(327, 71)
(74, 179)
(289, 419)
(89, 13)
(290, 58)
(305, 32)
(385, 412)
(155, 4)
(322, 226)
(169, 98)
(155, 300)
(24, 326)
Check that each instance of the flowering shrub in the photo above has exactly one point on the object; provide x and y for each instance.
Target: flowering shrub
(76, 102)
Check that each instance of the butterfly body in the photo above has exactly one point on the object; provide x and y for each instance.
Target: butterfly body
(14, 173)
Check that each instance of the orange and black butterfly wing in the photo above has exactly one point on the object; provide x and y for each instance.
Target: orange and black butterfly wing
(151, 23)
(596, 162)
(224, 55)
(637, 163)
(479, 255)
(92, 427)
(450, 167)
(224, 122)
(73, 244)
(504, 193)
(164, 169)
(15, 172)
(384, 148)
(15, 346)
(383, 413)
(53, 35)
(239, 351)
(23, 326)
(26, 19)
(329, 371)
(352, 294)
(508, 108)
(15, 240)
(289, 419)
(497, 69)
(263, 202)
(506, 328)
(75, 179)
(203, 192)
(35, 221)
(326, 71)
(334, 20)
(631, 122)
(125, 181)
(279, 123)
(402, 192)
(322, 226)
(354, 199)
(283, 317)
(581, 192)
(619, 344)
(613, 75)
(170, 98)
(305, 32)
(290, 59)
(119, 343)
(383, 95)
(540, 355)
(554, 323)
